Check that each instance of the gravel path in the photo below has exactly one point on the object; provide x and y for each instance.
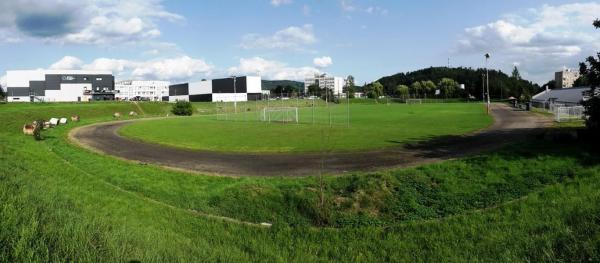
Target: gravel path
(510, 125)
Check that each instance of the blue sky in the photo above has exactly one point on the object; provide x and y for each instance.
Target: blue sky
(290, 39)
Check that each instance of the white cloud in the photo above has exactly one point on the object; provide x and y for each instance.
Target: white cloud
(542, 40)
(180, 68)
(67, 62)
(306, 10)
(322, 62)
(270, 69)
(173, 69)
(347, 6)
(280, 2)
(85, 21)
(293, 38)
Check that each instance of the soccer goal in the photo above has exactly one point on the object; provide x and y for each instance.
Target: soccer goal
(414, 101)
(280, 114)
(562, 114)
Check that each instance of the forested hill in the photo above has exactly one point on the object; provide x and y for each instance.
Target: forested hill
(501, 84)
(272, 84)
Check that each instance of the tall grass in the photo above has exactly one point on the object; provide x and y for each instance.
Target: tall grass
(534, 202)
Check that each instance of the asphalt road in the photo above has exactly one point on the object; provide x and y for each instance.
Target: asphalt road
(510, 125)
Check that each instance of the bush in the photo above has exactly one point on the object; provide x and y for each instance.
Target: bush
(182, 108)
(592, 110)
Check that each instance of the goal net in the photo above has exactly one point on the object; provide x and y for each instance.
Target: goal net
(280, 114)
(414, 101)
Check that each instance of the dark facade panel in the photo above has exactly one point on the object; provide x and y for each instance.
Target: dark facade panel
(254, 96)
(38, 88)
(226, 85)
(179, 89)
(17, 92)
(201, 98)
(98, 82)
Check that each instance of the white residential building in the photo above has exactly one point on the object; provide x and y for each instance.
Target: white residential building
(324, 81)
(148, 90)
(565, 78)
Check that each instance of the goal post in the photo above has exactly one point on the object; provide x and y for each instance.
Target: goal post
(414, 101)
(280, 114)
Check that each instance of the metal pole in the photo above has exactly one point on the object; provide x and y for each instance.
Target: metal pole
(234, 95)
(348, 105)
(487, 81)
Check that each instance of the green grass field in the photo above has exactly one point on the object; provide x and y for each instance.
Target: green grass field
(531, 202)
(374, 126)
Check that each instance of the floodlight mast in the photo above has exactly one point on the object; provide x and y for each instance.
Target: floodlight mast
(234, 95)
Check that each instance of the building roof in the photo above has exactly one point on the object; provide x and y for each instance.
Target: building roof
(567, 95)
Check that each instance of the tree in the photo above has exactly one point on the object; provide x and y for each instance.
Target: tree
(448, 87)
(591, 71)
(349, 87)
(182, 108)
(378, 89)
(428, 87)
(515, 74)
(416, 88)
(402, 91)
(314, 90)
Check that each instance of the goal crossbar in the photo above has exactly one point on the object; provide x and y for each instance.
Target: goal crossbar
(280, 114)
(414, 101)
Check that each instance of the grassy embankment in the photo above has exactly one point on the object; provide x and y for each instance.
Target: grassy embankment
(534, 202)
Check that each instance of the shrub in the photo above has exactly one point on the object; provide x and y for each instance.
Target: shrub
(182, 108)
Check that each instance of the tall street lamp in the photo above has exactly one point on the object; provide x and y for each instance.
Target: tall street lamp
(234, 95)
(487, 81)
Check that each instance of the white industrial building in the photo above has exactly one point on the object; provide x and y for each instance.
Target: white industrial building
(59, 85)
(141, 90)
(336, 84)
(217, 90)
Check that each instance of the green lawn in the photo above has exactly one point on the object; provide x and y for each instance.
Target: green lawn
(374, 126)
(531, 202)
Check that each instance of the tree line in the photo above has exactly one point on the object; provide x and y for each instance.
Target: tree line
(425, 82)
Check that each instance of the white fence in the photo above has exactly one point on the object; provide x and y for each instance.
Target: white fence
(563, 113)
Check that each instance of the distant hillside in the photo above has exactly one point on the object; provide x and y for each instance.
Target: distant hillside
(501, 84)
(272, 84)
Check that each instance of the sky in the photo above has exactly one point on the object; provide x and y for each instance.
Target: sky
(186, 40)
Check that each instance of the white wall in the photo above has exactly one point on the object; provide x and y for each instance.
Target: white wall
(254, 84)
(202, 87)
(180, 97)
(18, 99)
(67, 92)
(229, 97)
(21, 78)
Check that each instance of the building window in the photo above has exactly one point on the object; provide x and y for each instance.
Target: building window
(98, 79)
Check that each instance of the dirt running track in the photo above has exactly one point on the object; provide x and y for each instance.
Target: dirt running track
(510, 125)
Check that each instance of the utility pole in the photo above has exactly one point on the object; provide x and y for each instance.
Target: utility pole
(487, 81)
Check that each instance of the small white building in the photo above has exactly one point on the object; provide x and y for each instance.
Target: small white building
(336, 84)
(146, 90)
